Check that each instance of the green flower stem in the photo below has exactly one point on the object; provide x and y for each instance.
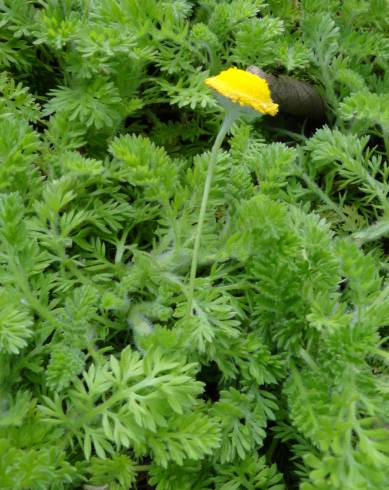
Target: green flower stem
(142, 467)
(229, 118)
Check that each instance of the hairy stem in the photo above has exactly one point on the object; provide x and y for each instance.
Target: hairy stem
(226, 125)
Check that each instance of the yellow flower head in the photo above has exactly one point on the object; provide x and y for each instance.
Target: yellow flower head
(244, 88)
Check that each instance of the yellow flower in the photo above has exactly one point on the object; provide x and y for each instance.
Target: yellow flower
(244, 88)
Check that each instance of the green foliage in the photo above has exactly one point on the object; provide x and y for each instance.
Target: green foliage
(64, 366)
(34, 468)
(142, 164)
(135, 403)
(244, 416)
(347, 163)
(371, 109)
(93, 104)
(279, 377)
(117, 472)
(252, 473)
(15, 324)
(18, 150)
(264, 31)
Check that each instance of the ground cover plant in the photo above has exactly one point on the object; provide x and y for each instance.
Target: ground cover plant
(278, 379)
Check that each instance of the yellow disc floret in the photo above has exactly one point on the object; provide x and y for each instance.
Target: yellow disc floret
(244, 88)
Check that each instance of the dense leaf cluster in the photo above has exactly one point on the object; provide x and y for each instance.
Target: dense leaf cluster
(280, 377)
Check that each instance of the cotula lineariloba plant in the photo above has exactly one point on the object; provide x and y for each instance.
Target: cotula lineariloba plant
(260, 361)
(239, 92)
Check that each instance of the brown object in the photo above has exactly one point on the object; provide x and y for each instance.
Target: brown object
(293, 96)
